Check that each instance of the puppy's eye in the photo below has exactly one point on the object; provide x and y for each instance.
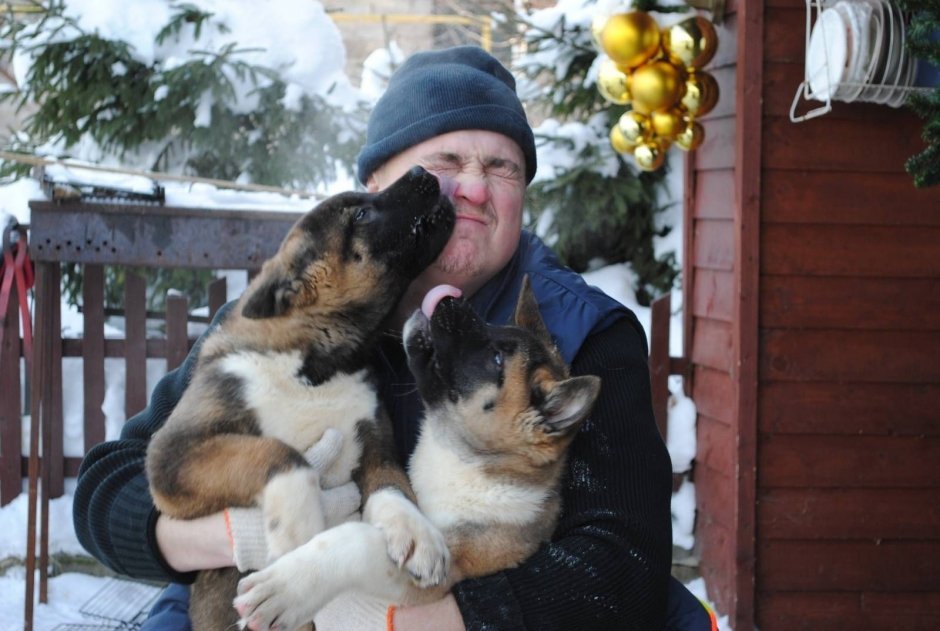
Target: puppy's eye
(498, 359)
(363, 214)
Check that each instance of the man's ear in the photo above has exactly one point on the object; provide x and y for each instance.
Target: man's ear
(372, 184)
(527, 315)
(569, 402)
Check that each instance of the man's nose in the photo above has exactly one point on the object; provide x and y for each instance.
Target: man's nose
(473, 188)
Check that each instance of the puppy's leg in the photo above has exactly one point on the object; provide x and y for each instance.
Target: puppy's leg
(194, 474)
(209, 601)
(294, 588)
(389, 503)
(293, 510)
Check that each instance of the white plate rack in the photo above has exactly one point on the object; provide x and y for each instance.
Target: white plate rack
(855, 51)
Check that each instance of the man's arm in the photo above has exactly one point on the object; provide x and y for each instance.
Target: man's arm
(609, 561)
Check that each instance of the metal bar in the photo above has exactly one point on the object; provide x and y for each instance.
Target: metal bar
(155, 236)
(26, 158)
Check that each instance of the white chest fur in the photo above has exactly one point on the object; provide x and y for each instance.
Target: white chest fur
(292, 410)
(453, 489)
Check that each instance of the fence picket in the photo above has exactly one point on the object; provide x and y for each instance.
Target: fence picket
(218, 295)
(55, 437)
(177, 342)
(11, 408)
(93, 355)
(135, 345)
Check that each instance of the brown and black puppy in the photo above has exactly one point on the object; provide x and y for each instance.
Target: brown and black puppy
(288, 362)
(501, 410)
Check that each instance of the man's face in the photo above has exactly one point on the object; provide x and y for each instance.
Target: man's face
(488, 174)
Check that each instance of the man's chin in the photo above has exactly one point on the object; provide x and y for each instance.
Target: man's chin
(461, 259)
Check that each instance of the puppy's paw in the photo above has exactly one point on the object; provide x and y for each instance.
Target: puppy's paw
(413, 542)
(293, 510)
(280, 596)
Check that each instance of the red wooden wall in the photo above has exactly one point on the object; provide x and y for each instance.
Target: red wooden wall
(811, 251)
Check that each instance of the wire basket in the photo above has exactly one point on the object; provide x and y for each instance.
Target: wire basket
(855, 51)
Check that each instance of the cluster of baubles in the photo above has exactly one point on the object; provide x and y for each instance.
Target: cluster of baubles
(658, 72)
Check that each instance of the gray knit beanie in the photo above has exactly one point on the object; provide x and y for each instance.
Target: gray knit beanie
(441, 91)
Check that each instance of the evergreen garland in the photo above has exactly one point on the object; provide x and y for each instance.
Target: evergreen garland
(923, 43)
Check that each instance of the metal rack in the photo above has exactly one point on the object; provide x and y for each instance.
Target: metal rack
(882, 53)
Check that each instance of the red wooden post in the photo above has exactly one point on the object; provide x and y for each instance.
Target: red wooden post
(11, 432)
(177, 339)
(53, 447)
(93, 354)
(51, 417)
(659, 362)
(135, 343)
(41, 357)
(218, 292)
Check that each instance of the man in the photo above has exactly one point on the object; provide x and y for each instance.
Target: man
(455, 112)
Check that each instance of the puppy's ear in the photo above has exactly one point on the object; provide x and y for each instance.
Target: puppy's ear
(527, 315)
(272, 297)
(569, 402)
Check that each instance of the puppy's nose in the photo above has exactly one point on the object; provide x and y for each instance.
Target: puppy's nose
(417, 172)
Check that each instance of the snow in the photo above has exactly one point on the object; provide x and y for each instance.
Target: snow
(300, 41)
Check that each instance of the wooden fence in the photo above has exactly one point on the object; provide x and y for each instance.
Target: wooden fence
(139, 236)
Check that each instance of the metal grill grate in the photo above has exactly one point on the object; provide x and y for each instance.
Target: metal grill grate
(118, 604)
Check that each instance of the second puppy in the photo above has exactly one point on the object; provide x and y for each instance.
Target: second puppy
(501, 410)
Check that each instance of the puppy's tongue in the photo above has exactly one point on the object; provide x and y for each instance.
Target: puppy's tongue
(433, 297)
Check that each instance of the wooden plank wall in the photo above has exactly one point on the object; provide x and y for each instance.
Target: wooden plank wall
(848, 500)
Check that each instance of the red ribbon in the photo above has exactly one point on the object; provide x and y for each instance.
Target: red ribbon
(16, 268)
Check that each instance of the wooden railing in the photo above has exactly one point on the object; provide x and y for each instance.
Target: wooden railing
(96, 235)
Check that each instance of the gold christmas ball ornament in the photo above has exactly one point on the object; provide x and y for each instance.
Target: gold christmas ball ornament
(634, 126)
(612, 82)
(668, 123)
(692, 137)
(691, 43)
(657, 85)
(619, 142)
(701, 94)
(649, 156)
(630, 38)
